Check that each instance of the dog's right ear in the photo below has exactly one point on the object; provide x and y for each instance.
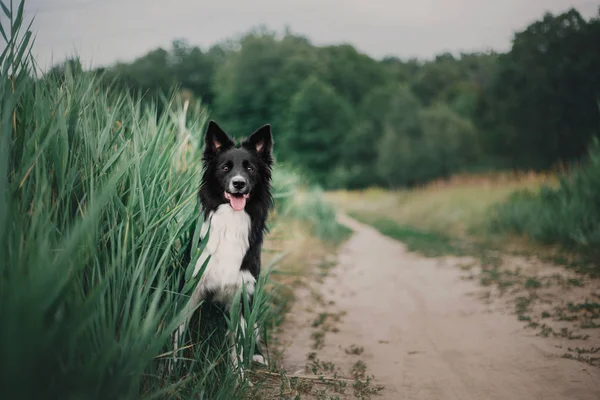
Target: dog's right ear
(216, 140)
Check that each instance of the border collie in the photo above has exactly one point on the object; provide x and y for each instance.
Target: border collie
(236, 197)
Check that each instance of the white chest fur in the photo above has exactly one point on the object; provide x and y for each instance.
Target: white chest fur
(227, 245)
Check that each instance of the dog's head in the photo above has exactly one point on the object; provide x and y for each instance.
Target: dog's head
(238, 171)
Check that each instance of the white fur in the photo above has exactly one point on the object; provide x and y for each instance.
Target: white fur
(227, 245)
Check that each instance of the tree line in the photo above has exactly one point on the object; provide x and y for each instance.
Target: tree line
(348, 120)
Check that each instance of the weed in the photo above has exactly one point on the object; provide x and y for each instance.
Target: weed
(359, 369)
(318, 338)
(581, 350)
(545, 330)
(355, 350)
(582, 358)
(575, 282)
(363, 389)
(593, 309)
(532, 283)
(566, 333)
(533, 324)
(561, 315)
(321, 318)
(589, 324)
(522, 304)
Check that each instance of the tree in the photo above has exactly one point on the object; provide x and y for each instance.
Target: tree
(435, 77)
(318, 119)
(256, 83)
(352, 74)
(450, 139)
(440, 145)
(542, 106)
(397, 122)
(194, 70)
(396, 158)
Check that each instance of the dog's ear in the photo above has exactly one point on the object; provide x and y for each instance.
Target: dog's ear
(216, 140)
(261, 141)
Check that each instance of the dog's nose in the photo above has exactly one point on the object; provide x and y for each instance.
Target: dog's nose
(239, 184)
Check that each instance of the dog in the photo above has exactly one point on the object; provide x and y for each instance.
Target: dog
(235, 194)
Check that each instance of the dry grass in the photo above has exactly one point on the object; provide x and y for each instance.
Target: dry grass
(452, 206)
(302, 248)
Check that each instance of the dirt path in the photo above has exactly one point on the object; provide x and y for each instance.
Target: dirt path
(424, 333)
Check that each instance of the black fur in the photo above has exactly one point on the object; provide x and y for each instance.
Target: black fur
(256, 150)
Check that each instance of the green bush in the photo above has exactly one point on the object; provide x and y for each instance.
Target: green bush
(434, 142)
(317, 121)
(568, 215)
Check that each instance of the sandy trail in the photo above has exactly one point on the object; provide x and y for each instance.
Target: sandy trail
(425, 335)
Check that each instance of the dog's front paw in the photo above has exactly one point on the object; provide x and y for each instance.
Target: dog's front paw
(257, 358)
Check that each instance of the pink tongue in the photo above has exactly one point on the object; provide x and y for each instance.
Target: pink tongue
(237, 203)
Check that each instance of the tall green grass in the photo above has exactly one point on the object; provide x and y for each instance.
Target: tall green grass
(98, 198)
(97, 195)
(568, 215)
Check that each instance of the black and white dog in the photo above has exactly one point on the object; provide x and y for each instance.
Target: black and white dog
(236, 198)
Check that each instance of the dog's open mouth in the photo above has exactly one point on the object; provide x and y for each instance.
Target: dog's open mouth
(237, 201)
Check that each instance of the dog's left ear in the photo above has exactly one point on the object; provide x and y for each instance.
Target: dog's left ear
(216, 140)
(261, 141)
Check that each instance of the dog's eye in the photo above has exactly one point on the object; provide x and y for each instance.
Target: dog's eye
(225, 168)
(250, 169)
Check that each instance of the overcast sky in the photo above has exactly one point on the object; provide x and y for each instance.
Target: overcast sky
(104, 31)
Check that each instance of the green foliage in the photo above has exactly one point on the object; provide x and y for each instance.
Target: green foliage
(437, 144)
(255, 84)
(540, 108)
(330, 106)
(434, 78)
(317, 122)
(352, 74)
(98, 196)
(98, 199)
(568, 215)
(451, 138)
(95, 206)
(531, 107)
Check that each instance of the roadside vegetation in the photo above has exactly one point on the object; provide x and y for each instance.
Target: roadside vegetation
(567, 215)
(442, 217)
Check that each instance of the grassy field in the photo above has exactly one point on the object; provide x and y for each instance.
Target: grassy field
(438, 216)
(98, 197)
